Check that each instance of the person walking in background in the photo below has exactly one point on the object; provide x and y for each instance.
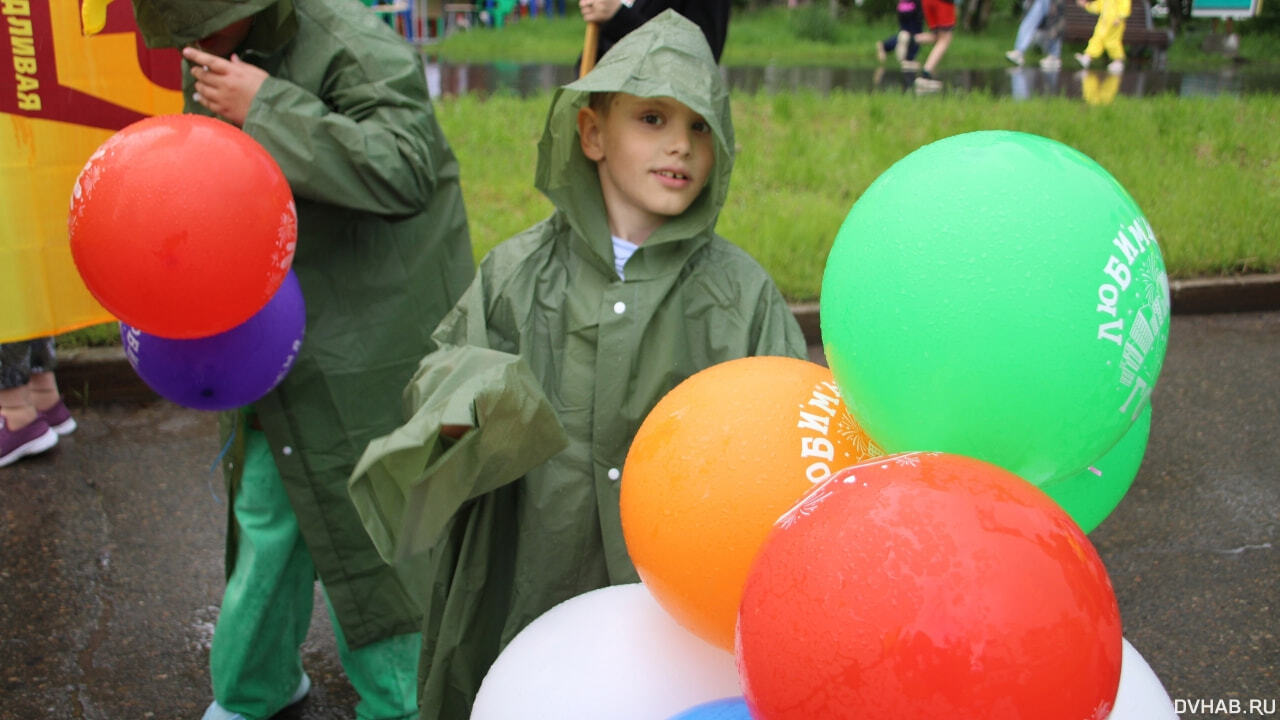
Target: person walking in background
(940, 16)
(341, 103)
(616, 19)
(32, 414)
(506, 471)
(1045, 19)
(905, 44)
(1108, 34)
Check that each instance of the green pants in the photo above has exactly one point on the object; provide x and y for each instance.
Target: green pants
(266, 611)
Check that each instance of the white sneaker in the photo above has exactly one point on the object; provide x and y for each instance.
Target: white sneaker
(1115, 67)
(1014, 57)
(1083, 60)
(1051, 63)
(924, 84)
(217, 712)
(903, 44)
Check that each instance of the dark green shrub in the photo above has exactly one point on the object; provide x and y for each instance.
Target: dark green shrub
(875, 9)
(1267, 21)
(814, 22)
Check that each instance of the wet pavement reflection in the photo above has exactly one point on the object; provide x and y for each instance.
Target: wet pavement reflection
(448, 79)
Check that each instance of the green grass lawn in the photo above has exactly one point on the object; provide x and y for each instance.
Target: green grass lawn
(1206, 172)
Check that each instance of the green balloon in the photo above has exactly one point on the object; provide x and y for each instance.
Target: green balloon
(998, 295)
(1090, 495)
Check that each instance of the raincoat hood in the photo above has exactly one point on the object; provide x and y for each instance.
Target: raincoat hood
(176, 23)
(666, 57)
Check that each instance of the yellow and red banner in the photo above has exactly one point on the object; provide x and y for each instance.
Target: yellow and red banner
(62, 94)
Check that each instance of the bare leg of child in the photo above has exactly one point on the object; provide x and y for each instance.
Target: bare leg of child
(939, 49)
(16, 407)
(44, 390)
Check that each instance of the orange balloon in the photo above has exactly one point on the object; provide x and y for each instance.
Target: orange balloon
(714, 464)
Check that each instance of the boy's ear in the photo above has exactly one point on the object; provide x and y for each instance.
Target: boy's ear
(589, 134)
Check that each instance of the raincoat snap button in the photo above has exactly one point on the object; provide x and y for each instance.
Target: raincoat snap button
(619, 307)
(286, 450)
(614, 474)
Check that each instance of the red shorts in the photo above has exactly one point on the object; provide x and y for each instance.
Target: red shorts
(940, 14)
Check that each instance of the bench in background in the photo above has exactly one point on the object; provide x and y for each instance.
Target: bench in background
(1139, 31)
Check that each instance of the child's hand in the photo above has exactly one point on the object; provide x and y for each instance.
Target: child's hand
(598, 10)
(227, 87)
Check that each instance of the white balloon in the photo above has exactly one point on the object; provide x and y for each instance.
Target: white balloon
(1141, 696)
(609, 653)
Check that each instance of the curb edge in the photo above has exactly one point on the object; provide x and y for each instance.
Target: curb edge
(103, 375)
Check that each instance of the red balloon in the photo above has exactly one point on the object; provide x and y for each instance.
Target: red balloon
(182, 226)
(928, 585)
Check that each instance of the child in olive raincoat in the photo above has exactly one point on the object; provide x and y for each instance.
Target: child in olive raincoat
(557, 352)
(340, 101)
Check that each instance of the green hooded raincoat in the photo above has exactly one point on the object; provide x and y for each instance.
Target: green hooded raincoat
(555, 361)
(383, 252)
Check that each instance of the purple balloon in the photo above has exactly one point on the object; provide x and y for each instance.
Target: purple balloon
(227, 370)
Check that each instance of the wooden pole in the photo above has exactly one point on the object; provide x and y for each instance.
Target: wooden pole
(589, 44)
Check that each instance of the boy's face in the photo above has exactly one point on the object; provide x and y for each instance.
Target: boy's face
(654, 156)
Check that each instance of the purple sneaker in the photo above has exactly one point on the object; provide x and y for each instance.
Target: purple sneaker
(30, 440)
(59, 418)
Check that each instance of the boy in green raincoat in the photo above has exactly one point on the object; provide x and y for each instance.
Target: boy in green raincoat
(340, 101)
(500, 491)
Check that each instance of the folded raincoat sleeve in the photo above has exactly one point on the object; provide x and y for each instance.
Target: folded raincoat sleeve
(410, 483)
(366, 146)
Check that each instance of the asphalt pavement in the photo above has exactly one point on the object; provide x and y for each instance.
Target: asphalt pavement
(111, 544)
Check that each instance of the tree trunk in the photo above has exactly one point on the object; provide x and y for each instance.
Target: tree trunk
(986, 12)
(1179, 10)
(976, 14)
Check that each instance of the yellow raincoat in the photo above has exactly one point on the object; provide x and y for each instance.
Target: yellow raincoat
(1108, 34)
